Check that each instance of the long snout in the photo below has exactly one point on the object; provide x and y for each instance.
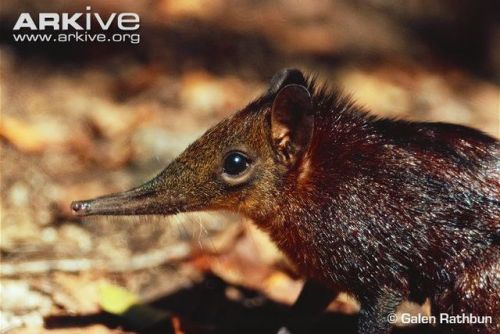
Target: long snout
(143, 200)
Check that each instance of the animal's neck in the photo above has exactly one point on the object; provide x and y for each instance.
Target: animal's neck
(298, 230)
(305, 225)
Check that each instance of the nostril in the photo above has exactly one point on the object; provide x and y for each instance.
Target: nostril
(78, 207)
(75, 206)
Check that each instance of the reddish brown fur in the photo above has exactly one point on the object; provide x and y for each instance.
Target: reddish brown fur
(385, 210)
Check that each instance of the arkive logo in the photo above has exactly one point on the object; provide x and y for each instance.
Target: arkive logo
(78, 21)
(77, 27)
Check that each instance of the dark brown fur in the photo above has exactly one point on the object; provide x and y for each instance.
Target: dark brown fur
(386, 210)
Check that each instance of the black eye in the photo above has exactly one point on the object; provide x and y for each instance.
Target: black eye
(236, 163)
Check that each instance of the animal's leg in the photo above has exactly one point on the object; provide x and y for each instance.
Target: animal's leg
(376, 314)
(313, 299)
(476, 293)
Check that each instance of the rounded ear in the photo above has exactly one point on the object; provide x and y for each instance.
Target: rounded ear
(285, 77)
(292, 123)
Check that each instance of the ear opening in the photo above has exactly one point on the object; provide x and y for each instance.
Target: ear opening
(292, 123)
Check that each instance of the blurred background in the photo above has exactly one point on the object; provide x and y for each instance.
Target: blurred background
(84, 119)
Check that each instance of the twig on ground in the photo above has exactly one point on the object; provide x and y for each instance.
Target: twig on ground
(146, 260)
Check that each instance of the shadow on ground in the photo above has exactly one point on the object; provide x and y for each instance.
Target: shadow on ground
(207, 307)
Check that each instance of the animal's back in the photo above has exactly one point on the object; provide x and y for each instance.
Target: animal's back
(460, 165)
(423, 203)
